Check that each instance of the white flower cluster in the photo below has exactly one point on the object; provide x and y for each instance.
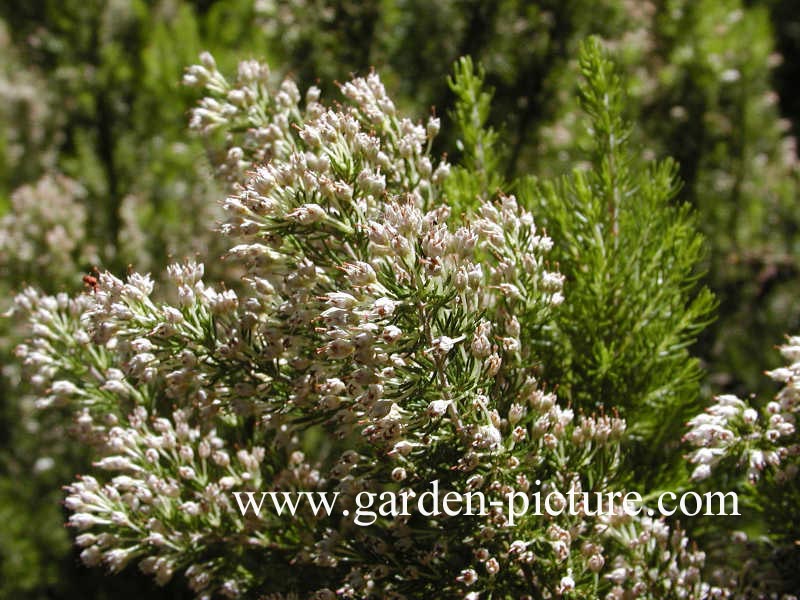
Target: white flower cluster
(47, 219)
(249, 106)
(170, 495)
(393, 342)
(660, 563)
(752, 437)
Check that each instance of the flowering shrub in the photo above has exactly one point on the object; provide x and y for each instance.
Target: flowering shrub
(47, 219)
(730, 429)
(96, 169)
(378, 341)
(735, 440)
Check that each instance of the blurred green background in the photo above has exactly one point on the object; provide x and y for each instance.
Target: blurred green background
(97, 166)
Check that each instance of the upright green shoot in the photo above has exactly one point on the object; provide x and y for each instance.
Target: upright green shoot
(630, 256)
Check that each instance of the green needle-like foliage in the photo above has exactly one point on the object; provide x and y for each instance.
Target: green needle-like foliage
(630, 257)
(478, 175)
